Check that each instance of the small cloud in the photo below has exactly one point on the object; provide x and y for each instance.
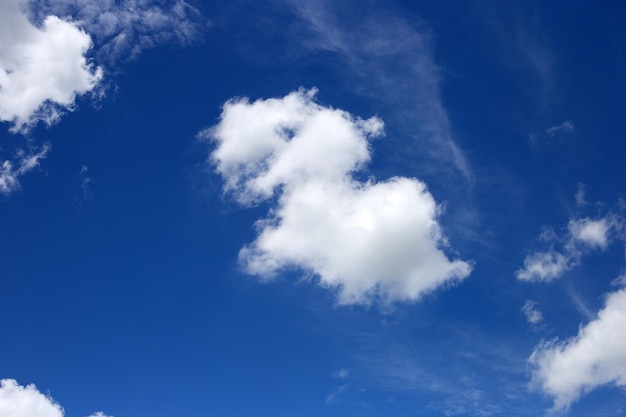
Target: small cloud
(620, 281)
(11, 171)
(547, 234)
(85, 183)
(583, 235)
(544, 266)
(341, 373)
(565, 127)
(532, 312)
(593, 233)
(337, 392)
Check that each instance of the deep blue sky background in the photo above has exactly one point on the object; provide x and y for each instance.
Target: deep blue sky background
(128, 298)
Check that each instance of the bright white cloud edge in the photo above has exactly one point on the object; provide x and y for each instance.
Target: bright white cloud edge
(42, 69)
(26, 401)
(367, 240)
(596, 356)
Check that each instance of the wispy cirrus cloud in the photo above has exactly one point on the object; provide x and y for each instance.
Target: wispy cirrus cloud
(565, 127)
(27, 401)
(368, 240)
(391, 59)
(12, 170)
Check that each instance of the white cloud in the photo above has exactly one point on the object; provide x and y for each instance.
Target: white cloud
(582, 235)
(593, 233)
(10, 171)
(595, 357)
(122, 29)
(532, 312)
(42, 68)
(565, 127)
(369, 240)
(544, 266)
(27, 401)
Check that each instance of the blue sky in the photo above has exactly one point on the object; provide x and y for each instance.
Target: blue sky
(306, 208)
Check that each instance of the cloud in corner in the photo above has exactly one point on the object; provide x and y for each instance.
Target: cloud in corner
(42, 68)
(596, 356)
(26, 401)
(368, 240)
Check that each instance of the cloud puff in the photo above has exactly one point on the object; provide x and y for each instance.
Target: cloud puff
(19, 401)
(122, 29)
(593, 233)
(532, 312)
(596, 356)
(369, 240)
(42, 68)
(10, 171)
(582, 235)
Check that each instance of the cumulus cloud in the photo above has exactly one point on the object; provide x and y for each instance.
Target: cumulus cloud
(582, 235)
(532, 312)
(10, 171)
(593, 233)
(27, 401)
(596, 356)
(122, 29)
(42, 68)
(366, 239)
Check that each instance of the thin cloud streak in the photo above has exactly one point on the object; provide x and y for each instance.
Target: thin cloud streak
(392, 60)
(11, 171)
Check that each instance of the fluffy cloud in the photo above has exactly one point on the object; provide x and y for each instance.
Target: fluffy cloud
(544, 266)
(596, 356)
(10, 171)
(369, 240)
(20, 401)
(122, 29)
(42, 68)
(582, 235)
(593, 233)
